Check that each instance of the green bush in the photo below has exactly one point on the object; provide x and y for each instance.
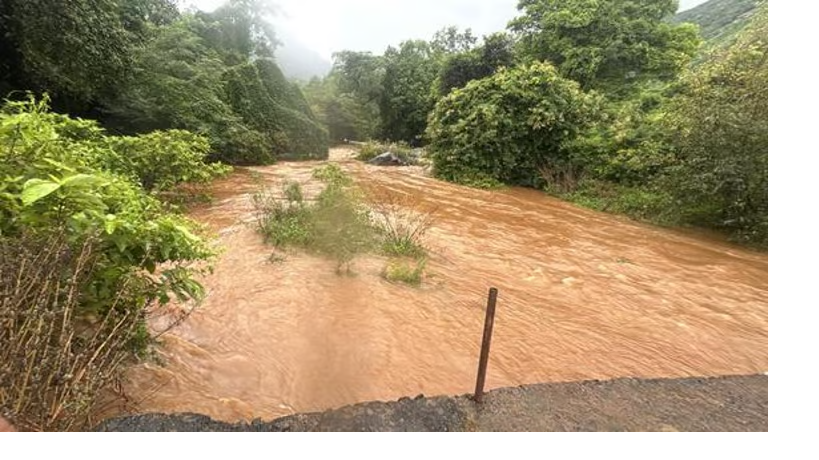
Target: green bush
(161, 160)
(337, 223)
(638, 202)
(285, 221)
(506, 127)
(54, 178)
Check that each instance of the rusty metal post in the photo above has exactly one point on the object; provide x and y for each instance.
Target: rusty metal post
(487, 340)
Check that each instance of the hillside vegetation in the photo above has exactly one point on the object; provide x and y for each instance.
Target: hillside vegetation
(719, 18)
(141, 65)
(605, 103)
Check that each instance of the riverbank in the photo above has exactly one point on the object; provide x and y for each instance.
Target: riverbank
(731, 403)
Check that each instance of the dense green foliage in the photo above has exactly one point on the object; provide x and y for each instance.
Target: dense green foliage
(347, 100)
(406, 100)
(458, 69)
(719, 18)
(605, 44)
(508, 126)
(277, 109)
(141, 65)
(65, 176)
(719, 129)
(76, 50)
(86, 248)
(390, 96)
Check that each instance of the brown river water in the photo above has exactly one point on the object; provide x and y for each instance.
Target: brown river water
(583, 295)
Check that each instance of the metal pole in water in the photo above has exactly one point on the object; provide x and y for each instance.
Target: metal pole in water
(487, 340)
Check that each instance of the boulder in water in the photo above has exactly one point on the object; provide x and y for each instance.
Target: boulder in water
(387, 159)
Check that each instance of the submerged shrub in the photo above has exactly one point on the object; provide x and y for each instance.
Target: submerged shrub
(339, 223)
(336, 224)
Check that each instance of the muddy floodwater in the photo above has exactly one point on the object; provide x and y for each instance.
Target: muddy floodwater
(583, 295)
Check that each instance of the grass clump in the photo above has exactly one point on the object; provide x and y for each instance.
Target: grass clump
(407, 271)
(341, 223)
(403, 222)
(336, 224)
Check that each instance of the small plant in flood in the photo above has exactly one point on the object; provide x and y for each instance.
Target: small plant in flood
(402, 222)
(285, 221)
(336, 224)
(405, 271)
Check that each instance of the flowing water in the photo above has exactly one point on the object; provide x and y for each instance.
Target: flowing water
(583, 295)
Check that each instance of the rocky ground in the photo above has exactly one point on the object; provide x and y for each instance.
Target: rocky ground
(733, 403)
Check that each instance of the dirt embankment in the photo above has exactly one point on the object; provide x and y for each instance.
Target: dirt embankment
(732, 403)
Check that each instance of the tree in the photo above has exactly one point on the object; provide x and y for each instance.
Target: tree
(239, 30)
(177, 82)
(407, 99)
(719, 130)
(605, 44)
(360, 74)
(508, 126)
(138, 14)
(276, 108)
(459, 69)
(75, 50)
(450, 40)
(344, 115)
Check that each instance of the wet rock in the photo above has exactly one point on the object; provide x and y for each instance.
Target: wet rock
(388, 159)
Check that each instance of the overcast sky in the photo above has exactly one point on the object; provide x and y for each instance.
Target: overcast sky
(371, 25)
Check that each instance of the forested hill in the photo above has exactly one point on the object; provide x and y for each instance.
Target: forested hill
(137, 66)
(719, 18)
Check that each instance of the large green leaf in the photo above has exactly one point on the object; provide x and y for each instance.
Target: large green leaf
(37, 189)
(82, 180)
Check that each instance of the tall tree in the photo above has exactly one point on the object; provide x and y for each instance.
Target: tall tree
(606, 44)
(407, 99)
(75, 50)
(450, 40)
(460, 68)
(360, 74)
(719, 129)
(241, 29)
